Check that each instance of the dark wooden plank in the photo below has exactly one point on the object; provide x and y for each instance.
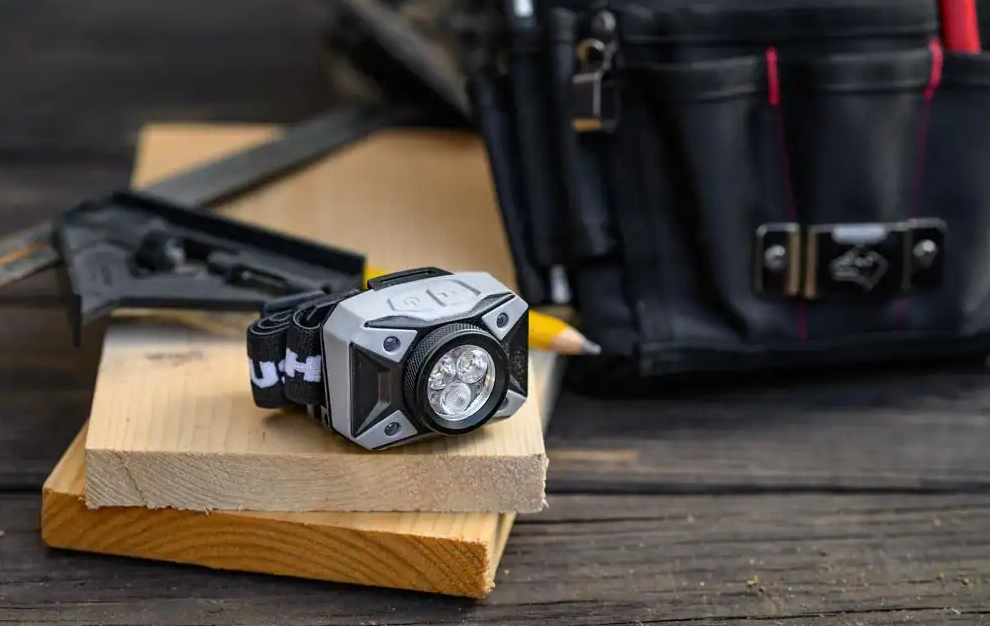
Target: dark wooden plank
(38, 290)
(893, 430)
(586, 560)
(83, 82)
(46, 386)
(31, 191)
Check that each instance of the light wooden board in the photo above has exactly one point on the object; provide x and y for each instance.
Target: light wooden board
(172, 421)
(448, 553)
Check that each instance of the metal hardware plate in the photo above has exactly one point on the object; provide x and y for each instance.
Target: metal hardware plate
(778, 259)
(849, 260)
(873, 259)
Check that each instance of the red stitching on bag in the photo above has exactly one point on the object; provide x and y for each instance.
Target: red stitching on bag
(773, 78)
(934, 80)
(773, 98)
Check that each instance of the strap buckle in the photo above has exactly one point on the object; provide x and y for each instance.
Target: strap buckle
(851, 260)
(594, 90)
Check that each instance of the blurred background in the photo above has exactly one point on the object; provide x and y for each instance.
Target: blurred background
(77, 84)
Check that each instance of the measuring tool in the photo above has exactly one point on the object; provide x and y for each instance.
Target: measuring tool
(132, 250)
(31, 250)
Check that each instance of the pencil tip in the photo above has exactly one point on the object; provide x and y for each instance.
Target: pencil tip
(590, 347)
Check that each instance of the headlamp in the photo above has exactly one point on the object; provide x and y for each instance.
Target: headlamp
(419, 353)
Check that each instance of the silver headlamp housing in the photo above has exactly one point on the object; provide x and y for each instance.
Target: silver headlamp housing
(423, 353)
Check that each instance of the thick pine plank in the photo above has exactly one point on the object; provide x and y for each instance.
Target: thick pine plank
(440, 553)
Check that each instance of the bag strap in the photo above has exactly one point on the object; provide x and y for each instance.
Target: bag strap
(285, 353)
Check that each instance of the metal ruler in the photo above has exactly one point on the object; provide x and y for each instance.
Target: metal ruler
(30, 250)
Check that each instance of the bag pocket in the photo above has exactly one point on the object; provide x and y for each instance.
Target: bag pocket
(595, 269)
(587, 220)
(527, 61)
(491, 101)
(956, 188)
(704, 147)
(855, 126)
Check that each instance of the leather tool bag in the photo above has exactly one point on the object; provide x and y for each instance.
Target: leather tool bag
(741, 185)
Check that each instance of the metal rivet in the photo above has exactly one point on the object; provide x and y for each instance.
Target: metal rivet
(391, 344)
(775, 258)
(501, 320)
(591, 52)
(391, 428)
(603, 23)
(925, 251)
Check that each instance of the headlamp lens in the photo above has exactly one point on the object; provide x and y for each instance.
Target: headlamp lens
(455, 398)
(472, 365)
(461, 382)
(443, 372)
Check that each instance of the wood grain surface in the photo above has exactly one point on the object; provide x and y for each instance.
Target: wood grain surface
(586, 560)
(923, 429)
(742, 464)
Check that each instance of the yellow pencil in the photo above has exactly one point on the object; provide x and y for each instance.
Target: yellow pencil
(546, 332)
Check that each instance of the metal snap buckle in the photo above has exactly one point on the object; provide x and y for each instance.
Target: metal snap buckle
(873, 259)
(594, 90)
(778, 259)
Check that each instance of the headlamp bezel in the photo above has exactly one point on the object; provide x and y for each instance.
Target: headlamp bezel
(428, 351)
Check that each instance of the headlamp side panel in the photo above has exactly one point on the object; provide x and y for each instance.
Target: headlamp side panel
(516, 343)
(350, 348)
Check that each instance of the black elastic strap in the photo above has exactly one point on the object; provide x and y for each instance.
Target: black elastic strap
(285, 355)
(266, 357)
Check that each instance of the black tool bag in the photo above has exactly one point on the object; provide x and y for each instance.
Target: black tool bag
(744, 185)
